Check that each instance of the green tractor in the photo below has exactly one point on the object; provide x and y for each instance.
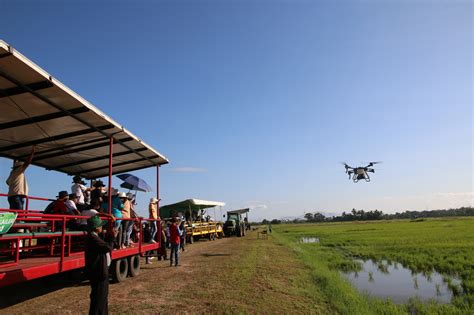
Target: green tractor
(236, 224)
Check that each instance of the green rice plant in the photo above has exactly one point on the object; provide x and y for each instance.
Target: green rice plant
(432, 245)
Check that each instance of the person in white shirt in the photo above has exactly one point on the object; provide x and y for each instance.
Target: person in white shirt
(71, 205)
(79, 189)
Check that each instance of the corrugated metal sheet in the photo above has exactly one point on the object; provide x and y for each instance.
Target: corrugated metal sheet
(71, 135)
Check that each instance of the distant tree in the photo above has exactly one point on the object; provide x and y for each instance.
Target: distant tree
(265, 221)
(309, 217)
(319, 217)
(275, 221)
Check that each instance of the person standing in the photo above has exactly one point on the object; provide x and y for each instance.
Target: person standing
(97, 259)
(162, 252)
(17, 185)
(153, 214)
(175, 237)
(182, 229)
(126, 209)
(134, 216)
(79, 189)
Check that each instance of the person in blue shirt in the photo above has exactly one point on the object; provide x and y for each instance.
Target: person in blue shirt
(117, 206)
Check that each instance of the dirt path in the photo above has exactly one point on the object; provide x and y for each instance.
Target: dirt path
(226, 275)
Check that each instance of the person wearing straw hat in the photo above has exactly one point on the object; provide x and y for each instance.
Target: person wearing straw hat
(17, 185)
(97, 262)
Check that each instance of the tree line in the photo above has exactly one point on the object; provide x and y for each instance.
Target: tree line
(362, 215)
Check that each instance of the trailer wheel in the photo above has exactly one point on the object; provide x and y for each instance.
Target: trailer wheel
(133, 266)
(119, 269)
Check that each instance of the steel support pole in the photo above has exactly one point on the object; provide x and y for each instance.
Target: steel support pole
(158, 204)
(111, 152)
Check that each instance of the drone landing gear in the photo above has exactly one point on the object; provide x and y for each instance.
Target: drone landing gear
(367, 179)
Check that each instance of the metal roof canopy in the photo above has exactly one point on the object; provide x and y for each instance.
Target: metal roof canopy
(191, 204)
(240, 211)
(71, 135)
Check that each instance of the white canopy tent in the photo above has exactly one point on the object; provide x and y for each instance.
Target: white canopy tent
(188, 206)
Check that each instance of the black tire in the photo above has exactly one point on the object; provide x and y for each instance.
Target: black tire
(119, 270)
(134, 266)
(238, 232)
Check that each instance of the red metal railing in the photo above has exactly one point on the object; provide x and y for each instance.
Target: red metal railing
(31, 219)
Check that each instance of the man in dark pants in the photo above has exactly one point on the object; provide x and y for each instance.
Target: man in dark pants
(98, 259)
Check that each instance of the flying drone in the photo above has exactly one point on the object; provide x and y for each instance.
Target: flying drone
(361, 172)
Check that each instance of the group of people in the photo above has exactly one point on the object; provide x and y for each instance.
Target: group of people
(89, 202)
(173, 236)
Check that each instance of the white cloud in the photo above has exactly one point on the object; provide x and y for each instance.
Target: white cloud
(188, 170)
(258, 206)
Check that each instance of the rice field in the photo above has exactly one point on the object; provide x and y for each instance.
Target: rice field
(429, 246)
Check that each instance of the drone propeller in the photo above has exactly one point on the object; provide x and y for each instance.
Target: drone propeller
(346, 166)
(372, 163)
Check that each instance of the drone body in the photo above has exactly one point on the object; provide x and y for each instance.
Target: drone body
(361, 172)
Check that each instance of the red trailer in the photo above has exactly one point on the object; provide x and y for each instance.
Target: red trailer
(71, 136)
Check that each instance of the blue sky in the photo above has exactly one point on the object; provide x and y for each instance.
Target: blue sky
(255, 103)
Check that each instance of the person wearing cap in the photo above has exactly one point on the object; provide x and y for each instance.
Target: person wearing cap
(175, 238)
(153, 214)
(97, 262)
(17, 184)
(79, 189)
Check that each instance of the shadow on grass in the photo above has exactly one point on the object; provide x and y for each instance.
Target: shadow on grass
(215, 255)
(18, 293)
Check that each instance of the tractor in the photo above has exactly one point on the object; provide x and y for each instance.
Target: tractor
(235, 223)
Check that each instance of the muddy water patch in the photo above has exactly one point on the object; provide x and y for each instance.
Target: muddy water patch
(391, 280)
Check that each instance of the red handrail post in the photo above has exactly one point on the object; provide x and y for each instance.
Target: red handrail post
(27, 202)
(63, 243)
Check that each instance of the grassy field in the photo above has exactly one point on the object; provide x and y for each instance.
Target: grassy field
(442, 245)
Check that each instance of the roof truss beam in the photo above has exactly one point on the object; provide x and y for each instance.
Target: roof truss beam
(55, 138)
(25, 89)
(75, 150)
(98, 158)
(48, 101)
(120, 164)
(37, 119)
(67, 146)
